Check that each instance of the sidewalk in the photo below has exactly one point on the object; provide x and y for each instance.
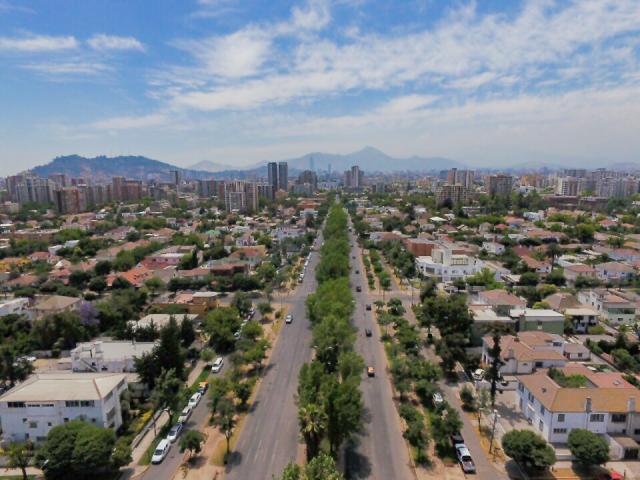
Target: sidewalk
(133, 469)
(16, 472)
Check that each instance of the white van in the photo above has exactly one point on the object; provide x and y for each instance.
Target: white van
(161, 451)
(217, 365)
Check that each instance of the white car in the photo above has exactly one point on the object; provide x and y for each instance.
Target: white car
(217, 365)
(174, 433)
(288, 319)
(161, 451)
(186, 414)
(478, 375)
(194, 400)
(437, 399)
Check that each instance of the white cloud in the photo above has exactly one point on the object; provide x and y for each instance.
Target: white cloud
(240, 54)
(463, 52)
(68, 68)
(130, 122)
(112, 42)
(37, 43)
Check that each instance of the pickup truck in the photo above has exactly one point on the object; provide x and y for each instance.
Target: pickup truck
(464, 457)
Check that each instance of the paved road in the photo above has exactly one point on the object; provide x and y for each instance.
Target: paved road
(380, 452)
(170, 465)
(270, 437)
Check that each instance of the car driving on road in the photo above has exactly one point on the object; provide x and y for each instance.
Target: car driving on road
(371, 372)
(288, 319)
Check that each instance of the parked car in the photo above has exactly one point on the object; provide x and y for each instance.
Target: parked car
(368, 307)
(371, 372)
(203, 387)
(185, 414)
(288, 319)
(217, 365)
(358, 288)
(174, 433)
(437, 399)
(478, 375)
(367, 332)
(456, 439)
(161, 451)
(357, 272)
(194, 400)
(464, 457)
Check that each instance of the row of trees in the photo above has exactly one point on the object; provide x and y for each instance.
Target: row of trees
(329, 401)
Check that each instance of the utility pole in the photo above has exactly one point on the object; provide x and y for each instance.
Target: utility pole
(493, 429)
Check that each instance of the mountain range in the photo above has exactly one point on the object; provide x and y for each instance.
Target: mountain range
(102, 168)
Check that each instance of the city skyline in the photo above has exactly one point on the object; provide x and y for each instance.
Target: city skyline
(240, 83)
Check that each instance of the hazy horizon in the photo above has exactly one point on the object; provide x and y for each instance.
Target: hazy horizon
(486, 83)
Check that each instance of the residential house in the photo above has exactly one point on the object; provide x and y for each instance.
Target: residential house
(501, 301)
(14, 306)
(526, 352)
(447, 263)
(607, 405)
(611, 307)
(575, 270)
(529, 319)
(52, 304)
(493, 248)
(45, 400)
(113, 357)
(615, 272)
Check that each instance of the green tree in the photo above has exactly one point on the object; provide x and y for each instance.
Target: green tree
(528, 449)
(313, 425)
(243, 392)
(166, 394)
(322, 467)
(220, 325)
(446, 424)
(192, 441)
(103, 267)
(79, 450)
(224, 419)
(169, 352)
(588, 448)
(187, 332)
(19, 455)
(218, 390)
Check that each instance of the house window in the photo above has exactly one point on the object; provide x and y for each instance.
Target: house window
(15, 404)
(71, 403)
(542, 409)
(33, 424)
(618, 417)
(559, 430)
(636, 431)
(521, 387)
(541, 425)
(530, 397)
(87, 403)
(49, 424)
(560, 417)
(66, 419)
(597, 417)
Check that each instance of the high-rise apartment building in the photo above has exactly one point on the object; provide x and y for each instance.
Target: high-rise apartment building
(452, 194)
(283, 176)
(272, 174)
(353, 178)
(460, 177)
(500, 185)
(241, 196)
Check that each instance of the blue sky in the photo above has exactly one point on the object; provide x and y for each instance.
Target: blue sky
(236, 82)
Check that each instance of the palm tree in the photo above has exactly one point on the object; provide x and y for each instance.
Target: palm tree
(313, 423)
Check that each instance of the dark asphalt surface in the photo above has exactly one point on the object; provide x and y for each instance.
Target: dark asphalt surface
(270, 438)
(380, 452)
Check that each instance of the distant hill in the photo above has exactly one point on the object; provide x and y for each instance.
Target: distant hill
(103, 168)
(371, 159)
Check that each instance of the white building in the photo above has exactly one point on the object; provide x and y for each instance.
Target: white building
(609, 306)
(446, 265)
(30, 409)
(14, 306)
(607, 405)
(113, 357)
